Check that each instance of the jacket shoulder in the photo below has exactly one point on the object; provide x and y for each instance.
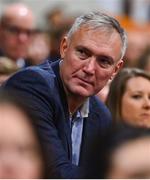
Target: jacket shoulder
(99, 111)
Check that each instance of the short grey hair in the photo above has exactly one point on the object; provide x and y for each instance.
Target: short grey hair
(100, 20)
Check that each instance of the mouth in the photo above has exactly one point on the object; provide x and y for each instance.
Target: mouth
(86, 81)
(145, 115)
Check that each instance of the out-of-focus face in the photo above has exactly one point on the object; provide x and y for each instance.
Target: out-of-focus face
(90, 59)
(16, 33)
(131, 160)
(137, 43)
(135, 106)
(19, 150)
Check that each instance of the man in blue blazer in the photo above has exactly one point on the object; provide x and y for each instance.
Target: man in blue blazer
(61, 94)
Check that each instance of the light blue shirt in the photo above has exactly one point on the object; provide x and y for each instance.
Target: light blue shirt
(77, 129)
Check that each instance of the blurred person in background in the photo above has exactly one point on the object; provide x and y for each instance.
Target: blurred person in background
(137, 43)
(17, 25)
(7, 68)
(126, 17)
(58, 26)
(55, 36)
(144, 60)
(138, 33)
(129, 97)
(21, 153)
(38, 50)
(55, 17)
(62, 93)
(122, 153)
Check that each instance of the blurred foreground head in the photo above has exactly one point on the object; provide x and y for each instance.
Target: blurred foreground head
(123, 153)
(21, 154)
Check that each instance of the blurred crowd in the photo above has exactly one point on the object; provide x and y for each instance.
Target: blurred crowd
(125, 149)
(27, 44)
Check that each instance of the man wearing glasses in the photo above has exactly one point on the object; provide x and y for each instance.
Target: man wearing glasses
(17, 25)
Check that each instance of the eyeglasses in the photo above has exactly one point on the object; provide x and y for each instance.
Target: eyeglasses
(14, 30)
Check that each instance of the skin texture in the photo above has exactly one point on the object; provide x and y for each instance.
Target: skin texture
(102, 94)
(19, 153)
(131, 160)
(136, 102)
(88, 63)
(16, 16)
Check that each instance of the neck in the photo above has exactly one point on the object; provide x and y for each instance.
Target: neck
(74, 102)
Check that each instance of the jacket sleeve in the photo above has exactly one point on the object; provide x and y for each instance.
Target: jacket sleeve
(34, 87)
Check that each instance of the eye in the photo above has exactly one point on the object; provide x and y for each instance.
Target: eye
(105, 62)
(13, 30)
(82, 53)
(136, 96)
(16, 30)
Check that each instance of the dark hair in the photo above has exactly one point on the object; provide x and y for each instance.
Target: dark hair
(104, 146)
(118, 88)
(15, 99)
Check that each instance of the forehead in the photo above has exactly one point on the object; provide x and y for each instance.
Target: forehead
(133, 155)
(16, 121)
(98, 40)
(138, 83)
(89, 31)
(21, 17)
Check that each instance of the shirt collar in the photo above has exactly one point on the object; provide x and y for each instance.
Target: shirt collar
(84, 110)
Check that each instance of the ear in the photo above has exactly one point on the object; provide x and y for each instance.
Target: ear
(63, 47)
(117, 68)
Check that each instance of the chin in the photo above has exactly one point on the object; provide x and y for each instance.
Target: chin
(82, 92)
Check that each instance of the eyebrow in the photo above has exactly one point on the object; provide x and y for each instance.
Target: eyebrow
(7, 25)
(84, 49)
(136, 91)
(90, 52)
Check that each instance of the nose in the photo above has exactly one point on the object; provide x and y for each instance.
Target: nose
(23, 37)
(146, 103)
(90, 66)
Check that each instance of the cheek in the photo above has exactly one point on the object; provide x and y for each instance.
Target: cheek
(102, 77)
(124, 108)
(72, 64)
(10, 43)
(67, 59)
(104, 74)
(6, 40)
(129, 104)
(125, 104)
(129, 108)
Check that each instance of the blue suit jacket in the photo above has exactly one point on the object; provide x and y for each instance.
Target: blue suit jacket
(42, 86)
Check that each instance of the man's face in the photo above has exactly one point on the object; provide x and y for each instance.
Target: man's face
(15, 35)
(90, 59)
